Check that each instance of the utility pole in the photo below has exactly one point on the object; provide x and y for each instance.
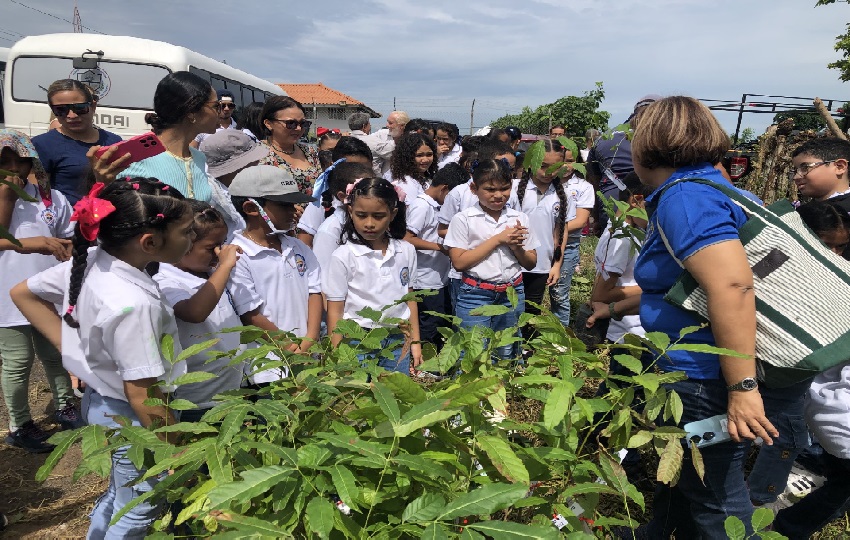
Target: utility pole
(394, 103)
(472, 116)
(78, 22)
(550, 120)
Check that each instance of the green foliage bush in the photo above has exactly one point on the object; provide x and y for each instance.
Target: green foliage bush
(577, 113)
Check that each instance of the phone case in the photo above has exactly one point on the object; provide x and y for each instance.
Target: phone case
(709, 431)
(139, 147)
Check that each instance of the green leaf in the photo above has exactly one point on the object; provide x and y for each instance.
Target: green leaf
(387, 402)
(187, 427)
(94, 440)
(690, 330)
(423, 508)
(403, 387)
(471, 393)
(254, 482)
(647, 380)
(424, 414)
(771, 535)
(534, 156)
(699, 464)
(345, 484)
(23, 195)
(709, 349)
(484, 500)
(181, 405)
(251, 525)
(504, 459)
(489, 311)
(557, 405)
(320, 516)
(629, 362)
(6, 235)
(639, 439)
(588, 487)
(193, 377)
(435, 531)
(195, 349)
(670, 464)
(218, 462)
(674, 406)
(513, 297)
(508, 530)
(659, 340)
(167, 348)
(469, 534)
(735, 529)
(762, 517)
(63, 441)
(232, 424)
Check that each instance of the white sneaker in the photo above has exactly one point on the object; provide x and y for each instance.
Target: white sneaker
(801, 482)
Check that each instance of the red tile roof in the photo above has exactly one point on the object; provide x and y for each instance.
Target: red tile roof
(318, 93)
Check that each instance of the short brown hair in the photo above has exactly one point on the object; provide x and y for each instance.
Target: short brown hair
(677, 131)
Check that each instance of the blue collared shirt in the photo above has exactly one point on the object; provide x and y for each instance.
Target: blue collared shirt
(693, 216)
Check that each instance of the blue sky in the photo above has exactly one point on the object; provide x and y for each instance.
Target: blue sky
(435, 57)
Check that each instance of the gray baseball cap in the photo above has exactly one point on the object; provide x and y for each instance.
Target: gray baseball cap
(267, 182)
(229, 150)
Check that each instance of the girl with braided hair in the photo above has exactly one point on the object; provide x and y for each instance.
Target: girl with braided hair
(540, 195)
(115, 318)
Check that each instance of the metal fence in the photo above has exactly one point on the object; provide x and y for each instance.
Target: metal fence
(469, 114)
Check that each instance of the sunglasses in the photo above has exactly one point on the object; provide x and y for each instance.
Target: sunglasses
(78, 108)
(294, 124)
(227, 105)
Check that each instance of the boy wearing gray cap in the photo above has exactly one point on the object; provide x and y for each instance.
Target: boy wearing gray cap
(276, 284)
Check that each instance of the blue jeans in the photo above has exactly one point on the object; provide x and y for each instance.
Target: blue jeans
(454, 290)
(560, 292)
(396, 363)
(823, 505)
(429, 325)
(135, 523)
(784, 408)
(471, 298)
(691, 509)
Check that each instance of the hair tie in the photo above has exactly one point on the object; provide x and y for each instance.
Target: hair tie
(90, 211)
(400, 192)
(475, 164)
(136, 187)
(70, 310)
(165, 188)
(127, 179)
(321, 184)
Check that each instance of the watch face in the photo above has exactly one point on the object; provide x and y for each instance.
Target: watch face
(749, 384)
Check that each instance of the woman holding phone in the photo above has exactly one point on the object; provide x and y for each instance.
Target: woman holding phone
(63, 151)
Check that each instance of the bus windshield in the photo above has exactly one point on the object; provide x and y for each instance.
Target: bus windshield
(122, 85)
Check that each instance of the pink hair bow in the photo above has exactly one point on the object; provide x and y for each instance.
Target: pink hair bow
(400, 192)
(90, 210)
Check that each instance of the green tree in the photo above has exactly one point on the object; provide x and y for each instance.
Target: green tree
(577, 113)
(803, 120)
(842, 44)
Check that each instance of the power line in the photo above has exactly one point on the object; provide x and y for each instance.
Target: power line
(10, 32)
(7, 39)
(54, 16)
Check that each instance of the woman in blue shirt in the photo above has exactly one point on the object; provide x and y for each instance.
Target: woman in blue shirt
(678, 138)
(63, 150)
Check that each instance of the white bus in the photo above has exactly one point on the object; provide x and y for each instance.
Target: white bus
(123, 71)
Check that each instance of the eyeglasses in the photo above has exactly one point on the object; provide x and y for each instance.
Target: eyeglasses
(294, 124)
(227, 105)
(806, 168)
(215, 105)
(78, 108)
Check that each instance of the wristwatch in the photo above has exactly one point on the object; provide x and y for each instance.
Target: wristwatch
(745, 385)
(612, 311)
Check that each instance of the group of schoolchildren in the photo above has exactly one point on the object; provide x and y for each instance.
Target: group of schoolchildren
(144, 262)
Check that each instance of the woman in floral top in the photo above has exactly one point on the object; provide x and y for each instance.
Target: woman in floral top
(283, 118)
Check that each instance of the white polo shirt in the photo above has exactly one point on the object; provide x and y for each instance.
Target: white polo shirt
(123, 317)
(458, 199)
(411, 186)
(313, 217)
(30, 219)
(580, 194)
(178, 285)
(452, 156)
(470, 228)
(280, 283)
(327, 237)
(432, 267)
(542, 211)
(362, 277)
(618, 256)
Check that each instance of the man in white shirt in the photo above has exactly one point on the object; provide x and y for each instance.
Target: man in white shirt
(225, 116)
(382, 142)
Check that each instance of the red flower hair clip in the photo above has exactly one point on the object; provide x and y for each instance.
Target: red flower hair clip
(90, 210)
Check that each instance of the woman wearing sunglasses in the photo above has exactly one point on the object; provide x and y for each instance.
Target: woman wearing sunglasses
(185, 106)
(284, 123)
(63, 150)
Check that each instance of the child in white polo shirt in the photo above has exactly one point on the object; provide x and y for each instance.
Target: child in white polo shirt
(374, 268)
(42, 227)
(196, 287)
(432, 261)
(491, 245)
(276, 284)
(328, 235)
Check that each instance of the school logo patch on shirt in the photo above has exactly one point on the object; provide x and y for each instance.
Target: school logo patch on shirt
(557, 208)
(48, 216)
(404, 275)
(300, 264)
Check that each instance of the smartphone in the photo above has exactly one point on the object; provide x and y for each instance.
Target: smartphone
(139, 147)
(707, 432)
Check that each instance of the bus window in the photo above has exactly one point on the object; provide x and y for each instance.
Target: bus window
(2, 78)
(202, 73)
(117, 84)
(236, 89)
(217, 83)
(247, 95)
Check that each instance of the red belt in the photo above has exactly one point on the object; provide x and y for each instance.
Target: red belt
(490, 286)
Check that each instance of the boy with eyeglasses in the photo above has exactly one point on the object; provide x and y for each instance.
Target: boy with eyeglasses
(226, 108)
(819, 169)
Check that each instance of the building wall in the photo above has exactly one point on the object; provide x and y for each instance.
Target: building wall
(335, 117)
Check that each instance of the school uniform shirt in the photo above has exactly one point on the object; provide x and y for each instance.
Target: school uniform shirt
(452, 156)
(457, 200)
(618, 256)
(411, 186)
(278, 282)
(178, 285)
(542, 210)
(580, 194)
(362, 277)
(30, 219)
(470, 228)
(314, 216)
(432, 267)
(123, 317)
(51, 286)
(327, 237)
